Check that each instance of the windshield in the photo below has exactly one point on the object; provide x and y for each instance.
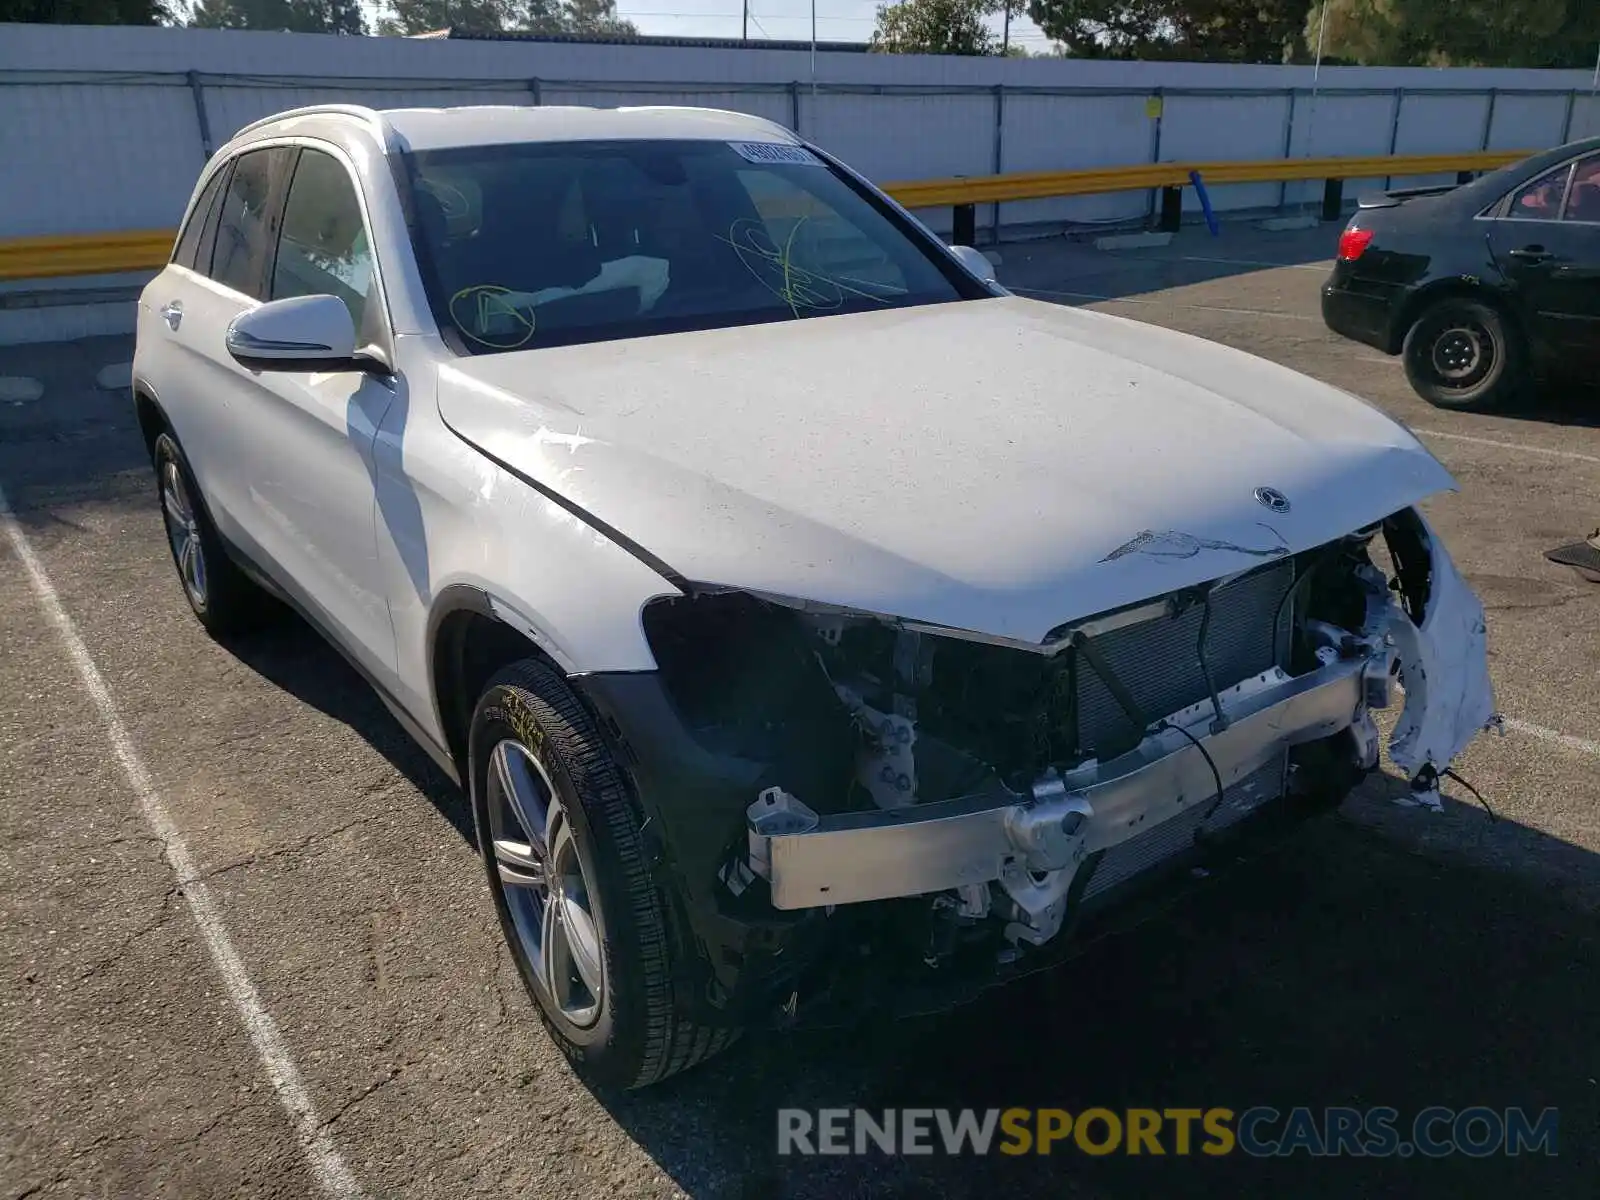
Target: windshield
(544, 244)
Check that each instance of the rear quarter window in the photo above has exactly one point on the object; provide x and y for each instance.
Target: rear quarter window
(189, 241)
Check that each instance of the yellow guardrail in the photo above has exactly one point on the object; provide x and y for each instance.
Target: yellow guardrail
(85, 254)
(147, 249)
(1040, 185)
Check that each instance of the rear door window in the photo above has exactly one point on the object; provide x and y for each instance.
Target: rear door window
(193, 230)
(1541, 199)
(247, 219)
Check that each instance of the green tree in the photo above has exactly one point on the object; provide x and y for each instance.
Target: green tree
(596, 16)
(1459, 33)
(85, 12)
(1265, 31)
(296, 16)
(505, 16)
(936, 27)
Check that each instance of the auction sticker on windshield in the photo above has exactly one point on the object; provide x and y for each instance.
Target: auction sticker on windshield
(775, 152)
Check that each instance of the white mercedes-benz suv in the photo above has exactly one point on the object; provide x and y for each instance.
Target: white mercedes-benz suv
(815, 626)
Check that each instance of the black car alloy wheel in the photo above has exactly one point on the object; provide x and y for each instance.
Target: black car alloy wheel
(1461, 353)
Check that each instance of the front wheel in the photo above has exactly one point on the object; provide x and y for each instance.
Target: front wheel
(1462, 354)
(562, 844)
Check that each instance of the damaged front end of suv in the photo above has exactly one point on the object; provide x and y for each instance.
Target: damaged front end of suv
(849, 800)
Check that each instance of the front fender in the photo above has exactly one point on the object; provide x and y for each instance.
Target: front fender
(1444, 665)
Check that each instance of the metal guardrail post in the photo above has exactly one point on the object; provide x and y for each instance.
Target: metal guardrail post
(1566, 122)
(1288, 144)
(535, 92)
(964, 226)
(1488, 120)
(964, 223)
(794, 105)
(1394, 130)
(1155, 146)
(1171, 209)
(1332, 199)
(999, 152)
(200, 115)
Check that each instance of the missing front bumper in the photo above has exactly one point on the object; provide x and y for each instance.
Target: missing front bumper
(812, 861)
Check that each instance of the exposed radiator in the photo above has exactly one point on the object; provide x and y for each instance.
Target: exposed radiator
(1157, 661)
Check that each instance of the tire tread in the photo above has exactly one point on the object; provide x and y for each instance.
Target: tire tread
(670, 1041)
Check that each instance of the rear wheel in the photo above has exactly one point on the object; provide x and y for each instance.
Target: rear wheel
(1461, 354)
(220, 594)
(562, 844)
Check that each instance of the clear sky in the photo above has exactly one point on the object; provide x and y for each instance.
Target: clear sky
(837, 20)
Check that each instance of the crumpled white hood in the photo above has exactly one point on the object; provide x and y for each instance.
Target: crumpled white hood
(998, 465)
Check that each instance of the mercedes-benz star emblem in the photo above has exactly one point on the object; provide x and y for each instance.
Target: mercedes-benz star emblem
(1272, 498)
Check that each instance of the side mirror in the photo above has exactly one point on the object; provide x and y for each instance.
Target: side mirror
(302, 333)
(976, 261)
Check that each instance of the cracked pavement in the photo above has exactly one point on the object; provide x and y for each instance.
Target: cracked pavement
(1385, 956)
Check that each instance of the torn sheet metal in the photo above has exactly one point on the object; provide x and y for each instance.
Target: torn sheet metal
(1445, 668)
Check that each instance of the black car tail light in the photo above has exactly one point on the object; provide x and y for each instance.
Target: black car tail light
(1353, 244)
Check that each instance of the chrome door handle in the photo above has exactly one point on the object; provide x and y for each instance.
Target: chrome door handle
(173, 314)
(1532, 254)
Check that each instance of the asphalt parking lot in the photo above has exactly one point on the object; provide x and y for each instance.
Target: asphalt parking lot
(1385, 956)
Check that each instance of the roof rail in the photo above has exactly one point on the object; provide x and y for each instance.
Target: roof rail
(370, 115)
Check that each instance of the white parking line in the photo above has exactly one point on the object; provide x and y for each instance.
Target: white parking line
(1556, 737)
(321, 1155)
(1322, 267)
(1249, 312)
(1478, 441)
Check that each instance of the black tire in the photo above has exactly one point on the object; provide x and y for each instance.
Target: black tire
(227, 602)
(1463, 354)
(637, 1036)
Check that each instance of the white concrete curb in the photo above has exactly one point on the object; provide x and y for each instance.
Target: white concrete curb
(1131, 241)
(19, 389)
(1275, 224)
(118, 377)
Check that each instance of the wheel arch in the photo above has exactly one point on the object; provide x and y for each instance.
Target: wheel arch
(152, 418)
(472, 634)
(1455, 287)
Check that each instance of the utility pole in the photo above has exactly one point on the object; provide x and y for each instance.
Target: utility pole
(744, 24)
(1005, 35)
(813, 48)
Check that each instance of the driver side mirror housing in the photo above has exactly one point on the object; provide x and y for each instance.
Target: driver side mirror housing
(976, 261)
(300, 333)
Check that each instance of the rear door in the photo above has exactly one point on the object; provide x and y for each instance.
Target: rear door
(163, 358)
(1546, 243)
(213, 279)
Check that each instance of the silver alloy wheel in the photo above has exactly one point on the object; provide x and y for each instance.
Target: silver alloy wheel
(183, 531)
(546, 885)
(1462, 354)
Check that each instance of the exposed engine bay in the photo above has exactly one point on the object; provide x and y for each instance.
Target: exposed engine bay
(998, 788)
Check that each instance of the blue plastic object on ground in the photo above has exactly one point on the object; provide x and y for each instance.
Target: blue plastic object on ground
(1205, 203)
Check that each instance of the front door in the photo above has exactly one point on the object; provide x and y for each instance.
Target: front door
(1552, 262)
(305, 442)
